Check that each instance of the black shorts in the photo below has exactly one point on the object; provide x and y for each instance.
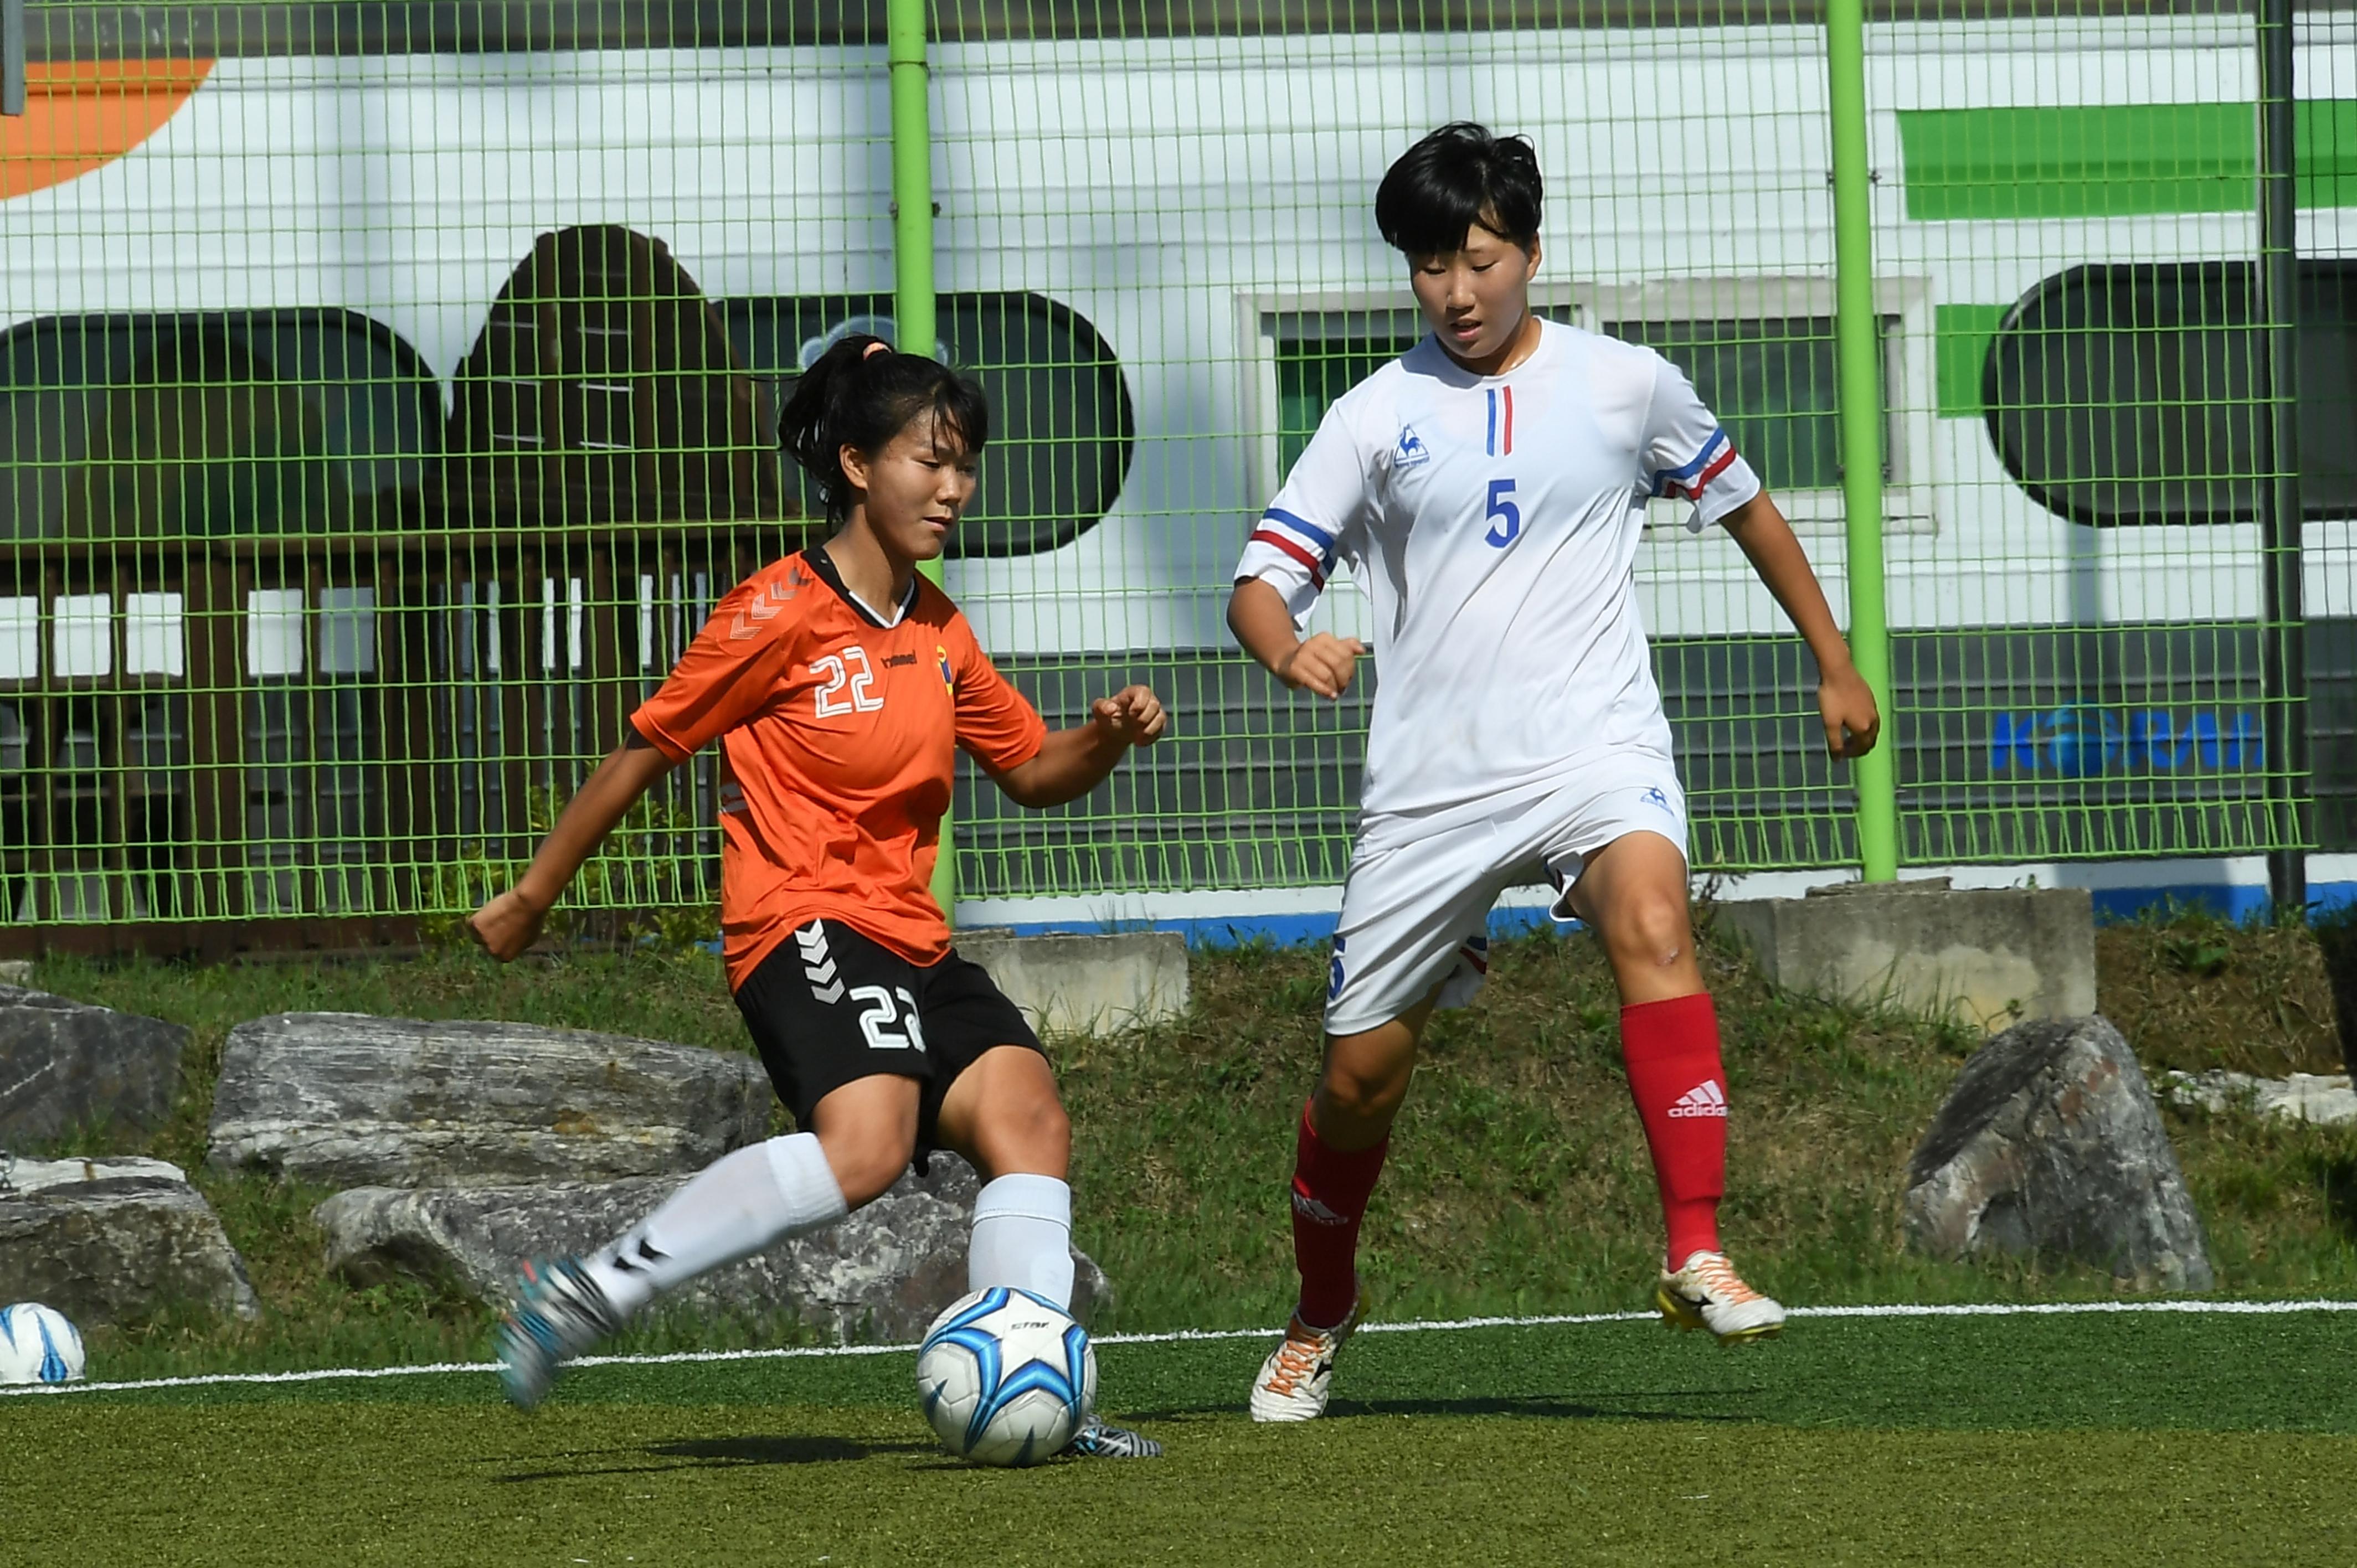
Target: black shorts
(830, 1006)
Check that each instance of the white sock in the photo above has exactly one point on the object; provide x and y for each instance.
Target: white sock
(1023, 1237)
(734, 1207)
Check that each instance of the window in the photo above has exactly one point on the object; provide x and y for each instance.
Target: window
(1762, 352)
(206, 426)
(1322, 355)
(2120, 396)
(1774, 385)
(1764, 357)
(1061, 425)
(1310, 356)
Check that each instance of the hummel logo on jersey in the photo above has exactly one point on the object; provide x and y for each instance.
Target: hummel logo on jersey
(1316, 1213)
(1411, 449)
(1705, 1099)
(754, 612)
(818, 965)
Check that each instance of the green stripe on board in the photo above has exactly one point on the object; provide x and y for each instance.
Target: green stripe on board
(2114, 161)
(2102, 162)
(1961, 334)
(2324, 152)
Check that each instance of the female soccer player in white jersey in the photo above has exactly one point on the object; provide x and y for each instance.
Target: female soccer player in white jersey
(1487, 489)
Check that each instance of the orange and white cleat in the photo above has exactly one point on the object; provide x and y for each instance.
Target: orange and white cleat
(1294, 1380)
(1708, 1293)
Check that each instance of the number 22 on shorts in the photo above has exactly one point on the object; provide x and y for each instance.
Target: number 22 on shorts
(1506, 516)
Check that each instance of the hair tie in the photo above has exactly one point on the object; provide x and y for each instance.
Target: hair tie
(878, 347)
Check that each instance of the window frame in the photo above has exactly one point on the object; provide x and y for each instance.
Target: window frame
(1910, 370)
(1260, 322)
(1910, 412)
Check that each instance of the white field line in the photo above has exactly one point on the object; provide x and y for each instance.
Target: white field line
(1192, 1335)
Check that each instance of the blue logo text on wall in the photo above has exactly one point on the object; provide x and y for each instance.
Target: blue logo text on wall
(2081, 741)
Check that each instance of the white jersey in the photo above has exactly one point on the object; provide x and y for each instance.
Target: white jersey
(1493, 521)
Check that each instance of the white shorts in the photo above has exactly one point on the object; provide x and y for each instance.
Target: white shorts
(1415, 911)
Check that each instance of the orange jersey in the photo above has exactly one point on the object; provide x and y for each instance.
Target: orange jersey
(837, 732)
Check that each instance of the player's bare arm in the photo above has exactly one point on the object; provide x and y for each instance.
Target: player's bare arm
(1072, 762)
(1845, 701)
(1322, 663)
(509, 923)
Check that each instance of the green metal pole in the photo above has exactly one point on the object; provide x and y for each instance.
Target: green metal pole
(1858, 333)
(912, 176)
(912, 263)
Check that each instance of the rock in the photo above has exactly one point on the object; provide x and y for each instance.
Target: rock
(2302, 1096)
(1104, 983)
(32, 1175)
(2050, 1145)
(354, 1101)
(882, 1274)
(1987, 957)
(119, 1249)
(67, 1066)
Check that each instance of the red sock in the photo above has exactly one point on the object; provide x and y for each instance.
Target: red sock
(1329, 1198)
(1680, 1087)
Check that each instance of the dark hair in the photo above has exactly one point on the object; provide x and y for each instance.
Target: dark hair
(1458, 177)
(851, 398)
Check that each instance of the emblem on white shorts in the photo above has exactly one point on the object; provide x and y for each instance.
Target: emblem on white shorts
(1656, 796)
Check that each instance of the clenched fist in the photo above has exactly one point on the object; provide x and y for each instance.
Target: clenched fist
(1132, 715)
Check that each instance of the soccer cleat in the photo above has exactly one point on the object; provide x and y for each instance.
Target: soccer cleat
(1708, 1293)
(559, 1313)
(1294, 1380)
(1095, 1440)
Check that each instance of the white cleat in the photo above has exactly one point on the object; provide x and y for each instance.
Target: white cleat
(1708, 1293)
(1294, 1381)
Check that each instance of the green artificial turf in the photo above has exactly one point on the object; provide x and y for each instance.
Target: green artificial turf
(2127, 1439)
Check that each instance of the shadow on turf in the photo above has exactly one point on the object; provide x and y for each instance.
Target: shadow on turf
(729, 1454)
(1551, 1407)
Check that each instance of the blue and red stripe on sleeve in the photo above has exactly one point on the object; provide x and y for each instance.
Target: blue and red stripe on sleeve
(1299, 538)
(1691, 479)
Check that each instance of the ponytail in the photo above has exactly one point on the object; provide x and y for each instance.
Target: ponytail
(853, 397)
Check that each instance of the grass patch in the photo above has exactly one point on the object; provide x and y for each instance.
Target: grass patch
(2193, 991)
(1519, 1181)
(2078, 1440)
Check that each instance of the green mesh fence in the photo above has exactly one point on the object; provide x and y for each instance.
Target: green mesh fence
(387, 391)
(2081, 633)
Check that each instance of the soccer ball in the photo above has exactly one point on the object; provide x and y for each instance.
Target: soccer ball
(39, 1346)
(1007, 1377)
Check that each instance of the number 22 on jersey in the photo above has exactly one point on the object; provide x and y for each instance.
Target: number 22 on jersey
(848, 669)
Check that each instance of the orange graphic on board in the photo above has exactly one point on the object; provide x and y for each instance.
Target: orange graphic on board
(81, 116)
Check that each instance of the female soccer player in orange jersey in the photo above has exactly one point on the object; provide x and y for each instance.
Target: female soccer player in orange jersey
(838, 683)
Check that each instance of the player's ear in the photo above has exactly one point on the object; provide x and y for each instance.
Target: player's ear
(855, 466)
(1530, 266)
